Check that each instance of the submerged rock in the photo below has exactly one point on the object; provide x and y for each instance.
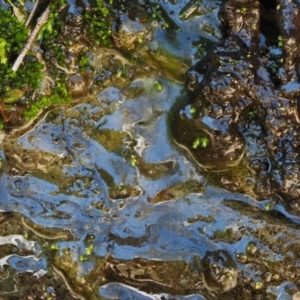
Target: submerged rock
(219, 271)
(77, 84)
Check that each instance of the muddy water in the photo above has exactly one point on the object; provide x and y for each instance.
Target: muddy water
(98, 202)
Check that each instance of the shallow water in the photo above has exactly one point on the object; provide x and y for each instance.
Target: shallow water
(98, 202)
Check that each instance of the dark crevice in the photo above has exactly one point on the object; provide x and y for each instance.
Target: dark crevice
(268, 21)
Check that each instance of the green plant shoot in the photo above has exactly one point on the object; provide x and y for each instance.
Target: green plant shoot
(192, 110)
(158, 86)
(202, 141)
(133, 161)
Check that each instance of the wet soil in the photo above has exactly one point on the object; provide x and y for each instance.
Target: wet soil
(104, 198)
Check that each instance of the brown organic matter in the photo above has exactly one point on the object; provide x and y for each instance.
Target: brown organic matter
(245, 96)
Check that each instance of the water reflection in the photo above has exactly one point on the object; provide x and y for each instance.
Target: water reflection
(139, 224)
(99, 197)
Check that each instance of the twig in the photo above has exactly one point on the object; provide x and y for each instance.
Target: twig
(32, 13)
(42, 20)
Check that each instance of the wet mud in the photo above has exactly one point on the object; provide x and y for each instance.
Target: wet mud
(244, 101)
(131, 192)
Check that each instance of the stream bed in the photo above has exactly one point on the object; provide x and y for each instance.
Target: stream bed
(97, 201)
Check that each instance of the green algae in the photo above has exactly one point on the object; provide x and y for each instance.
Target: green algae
(179, 190)
(172, 65)
(113, 141)
(118, 191)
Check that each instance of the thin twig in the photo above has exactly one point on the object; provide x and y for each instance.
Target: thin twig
(32, 13)
(42, 20)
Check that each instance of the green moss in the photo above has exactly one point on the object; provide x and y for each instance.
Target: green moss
(97, 25)
(59, 96)
(83, 61)
(157, 14)
(12, 96)
(48, 28)
(3, 50)
(99, 22)
(13, 38)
